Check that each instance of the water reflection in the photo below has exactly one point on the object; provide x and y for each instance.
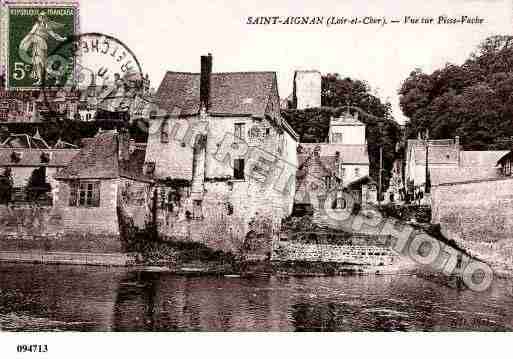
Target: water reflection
(96, 298)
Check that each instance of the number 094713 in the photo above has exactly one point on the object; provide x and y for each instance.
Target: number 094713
(32, 348)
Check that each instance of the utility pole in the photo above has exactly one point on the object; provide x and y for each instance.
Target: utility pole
(380, 171)
(427, 180)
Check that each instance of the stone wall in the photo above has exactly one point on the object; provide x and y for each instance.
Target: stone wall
(33, 228)
(350, 254)
(96, 220)
(227, 202)
(478, 216)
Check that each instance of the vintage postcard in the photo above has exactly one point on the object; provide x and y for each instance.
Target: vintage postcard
(277, 166)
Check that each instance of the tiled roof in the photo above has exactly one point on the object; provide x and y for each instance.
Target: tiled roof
(24, 141)
(233, 93)
(327, 165)
(99, 159)
(349, 154)
(33, 157)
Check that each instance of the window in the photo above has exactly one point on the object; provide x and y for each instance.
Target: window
(254, 132)
(197, 210)
(45, 157)
(238, 169)
(16, 157)
(85, 194)
(337, 137)
(149, 168)
(164, 132)
(357, 172)
(239, 130)
(327, 182)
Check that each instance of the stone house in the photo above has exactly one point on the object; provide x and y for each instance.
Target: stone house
(222, 156)
(448, 163)
(340, 163)
(30, 161)
(103, 187)
(441, 154)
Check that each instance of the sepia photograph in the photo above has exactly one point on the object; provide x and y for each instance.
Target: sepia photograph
(272, 166)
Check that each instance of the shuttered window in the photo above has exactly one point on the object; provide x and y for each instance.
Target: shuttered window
(239, 130)
(85, 194)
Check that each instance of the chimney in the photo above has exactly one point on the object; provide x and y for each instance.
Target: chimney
(206, 71)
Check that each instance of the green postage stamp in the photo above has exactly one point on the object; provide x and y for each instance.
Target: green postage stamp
(31, 31)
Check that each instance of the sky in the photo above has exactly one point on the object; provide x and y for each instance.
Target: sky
(172, 35)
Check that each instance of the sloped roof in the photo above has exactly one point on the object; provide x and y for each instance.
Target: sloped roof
(33, 157)
(346, 119)
(60, 144)
(25, 141)
(326, 164)
(349, 154)
(232, 93)
(437, 154)
(97, 159)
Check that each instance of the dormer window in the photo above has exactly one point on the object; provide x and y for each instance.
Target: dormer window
(16, 157)
(45, 157)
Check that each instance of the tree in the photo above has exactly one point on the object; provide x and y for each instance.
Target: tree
(473, 100)
(337, 96)
(6, 186)
(37, 185)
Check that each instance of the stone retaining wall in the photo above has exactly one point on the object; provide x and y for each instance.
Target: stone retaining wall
(107, 259)
(363, 255)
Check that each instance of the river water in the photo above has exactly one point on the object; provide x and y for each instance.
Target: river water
(47, 297)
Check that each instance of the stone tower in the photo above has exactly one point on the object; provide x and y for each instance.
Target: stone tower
(307, 89)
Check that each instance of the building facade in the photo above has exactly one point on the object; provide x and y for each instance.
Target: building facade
(103, 190)
(223, 157)
(341, 163)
